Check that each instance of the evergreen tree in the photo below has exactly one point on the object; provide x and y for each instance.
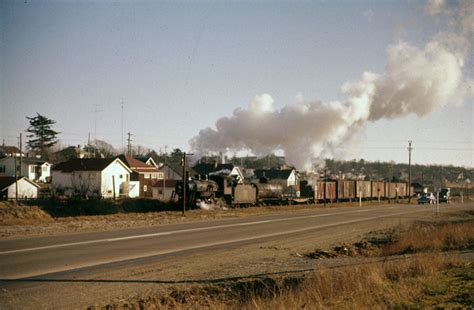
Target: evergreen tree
(40, 134)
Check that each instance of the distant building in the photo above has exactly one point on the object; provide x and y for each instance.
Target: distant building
(73, 152)
(287, 177)
(215, 168)
(34, 169)
(164, 193)
(146, 174)
(10, 151)
(26, 189)
(148, 160)
(93, 177)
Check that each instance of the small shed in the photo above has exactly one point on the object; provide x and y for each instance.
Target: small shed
(26, 189)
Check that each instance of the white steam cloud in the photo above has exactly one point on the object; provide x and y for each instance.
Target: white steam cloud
(415, 80)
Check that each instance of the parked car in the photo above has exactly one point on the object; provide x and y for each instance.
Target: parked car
(422, 199)
(426, 198)
(444, 195)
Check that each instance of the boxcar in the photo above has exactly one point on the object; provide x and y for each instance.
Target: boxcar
(378, 189)
(345, 190)
(331, 193)
(363, 189)
(402, 189)
(390, 190)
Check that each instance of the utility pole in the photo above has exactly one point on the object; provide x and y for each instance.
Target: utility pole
(185, 180)
(129, 144)
(164, 172)
(16, 179)
(390, 169)
(121, 120)
(183, 163)
(325, 179)
(21, 151)
(409, 170)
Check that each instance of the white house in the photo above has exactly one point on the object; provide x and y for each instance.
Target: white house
(34, 169)
(215, 168)
(289, 177)
(26, 189)
(99, 177)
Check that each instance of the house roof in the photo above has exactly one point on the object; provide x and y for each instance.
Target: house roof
(146, 160)
(7, 181)
(33, 161)
(178, 169)
(273, 173)
(7, 149)
(137, 165)
(168, 183)
(209, 168)
(84, 164)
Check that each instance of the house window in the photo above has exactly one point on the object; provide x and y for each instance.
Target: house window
(127, 177)
(32, 169)
(2, 169)
(45, 169)
(160, 192)
(145, 188)
(147, 175)
(121, 176)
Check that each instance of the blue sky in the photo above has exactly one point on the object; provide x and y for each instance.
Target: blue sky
(179, 66)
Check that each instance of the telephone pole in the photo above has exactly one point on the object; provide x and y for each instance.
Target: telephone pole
(185, 179)
(121, 121)
(390, 172)
(21, 151)
(325, 180)
(16, 178)
(183, 163)
(409, 170)
(129, 144)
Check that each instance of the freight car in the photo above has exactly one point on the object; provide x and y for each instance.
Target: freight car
(325, 191)
(378, 190)
(363, 190)
(346, 190)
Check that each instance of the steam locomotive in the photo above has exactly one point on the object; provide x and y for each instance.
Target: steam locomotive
(227, 190)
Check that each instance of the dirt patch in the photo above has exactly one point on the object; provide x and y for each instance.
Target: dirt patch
(12, 213)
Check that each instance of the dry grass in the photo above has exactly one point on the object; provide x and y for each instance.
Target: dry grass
(395, 284)
(12, 213)
(401, 283)
(422, 237)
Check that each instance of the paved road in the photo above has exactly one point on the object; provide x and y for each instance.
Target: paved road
(34, 257)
